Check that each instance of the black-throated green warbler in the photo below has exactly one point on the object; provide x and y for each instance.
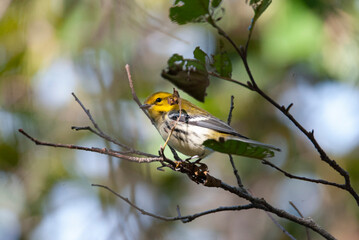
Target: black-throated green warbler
(186, 127)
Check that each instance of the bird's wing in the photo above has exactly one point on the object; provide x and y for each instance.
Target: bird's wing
(217, 125)
(205, 122)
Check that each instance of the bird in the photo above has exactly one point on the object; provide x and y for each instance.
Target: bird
(195, 132)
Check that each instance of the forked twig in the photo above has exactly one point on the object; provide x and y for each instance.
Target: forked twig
(106, 151)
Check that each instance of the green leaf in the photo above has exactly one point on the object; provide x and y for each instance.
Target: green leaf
(185, 11)
(259, 6)
(192, 64)
(175, 59)
(223, 65)
(200, 55)
(215, 3)
(238, 147)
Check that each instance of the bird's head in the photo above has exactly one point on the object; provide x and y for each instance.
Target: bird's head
(161, 102)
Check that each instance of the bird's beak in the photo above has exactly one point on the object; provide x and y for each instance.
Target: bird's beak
(145, 106)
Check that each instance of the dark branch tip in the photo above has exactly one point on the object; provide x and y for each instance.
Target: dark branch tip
(290, 105)
(311, 133)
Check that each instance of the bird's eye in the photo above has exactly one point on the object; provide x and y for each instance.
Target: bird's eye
(158, 99)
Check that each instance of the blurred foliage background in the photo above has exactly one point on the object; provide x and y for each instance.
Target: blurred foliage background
(305, 52)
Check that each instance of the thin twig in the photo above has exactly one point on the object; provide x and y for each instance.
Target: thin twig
(251, 27)
(105, 151)
(300, 214)
(99, 132)
(175, 154)
(229, 119)
(134, 96)
(258, 203)
(229, 79)
(239, 181)
(175, 124)
(321, 181)
(235, 171)
(184, 219)
(108, 138)
(87, 111)
(280, 226)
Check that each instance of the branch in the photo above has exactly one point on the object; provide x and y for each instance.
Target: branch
(321, 181)
(134, 96)
(257, 203)
(101, 134)
(252, 85)
(88, 113)
(235, 171)
(260, 203)
(300, 214)
(106, 151)
(229, 119)
(251, 27)
(280, 227)
(184, 219)
(229, 80)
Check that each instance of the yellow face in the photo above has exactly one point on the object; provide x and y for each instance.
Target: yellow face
(159, 103)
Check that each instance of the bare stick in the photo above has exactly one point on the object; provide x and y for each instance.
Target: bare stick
(178, 99)
(281, 227)
(239, 181)
(134, 96)
(175, 154)
(300, 214)
(229, 119)
(105, 151)
(108, 138)
(87, 112)
(235, 171)
(102, 135)
(229, 80)
(321, 181)
(99, 132)
(184, 219)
